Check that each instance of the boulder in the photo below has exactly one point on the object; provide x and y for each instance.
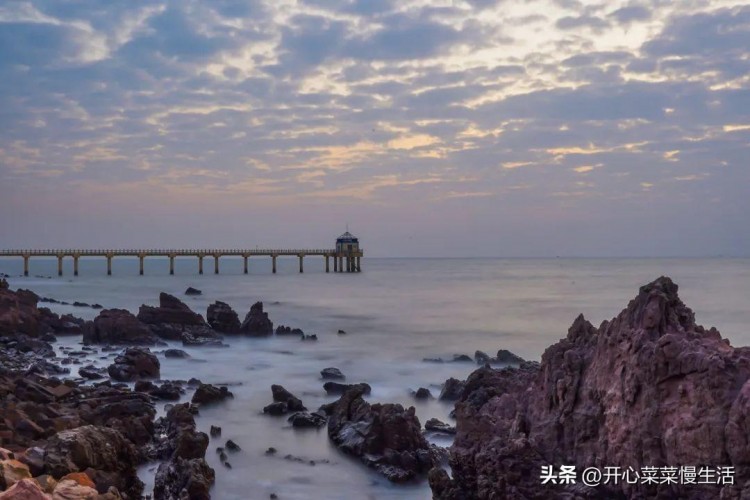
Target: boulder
(307, 420)
(648, 388)
(452, 389)
(256, 322)
(91, 372)
(276, 409)
(207, 394)
(26, 489)
(292, 402)
(12, 471)
(183, 478)
(422, 394)
(435, 425)
(386, 437)
(223, 318)
(133, 364)
(192, 291)
(171, 318)
(286, 330)
(117, 326)
(337, 388)
(332, 374)
(176, 353)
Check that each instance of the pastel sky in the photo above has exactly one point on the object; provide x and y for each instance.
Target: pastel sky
(440, 128)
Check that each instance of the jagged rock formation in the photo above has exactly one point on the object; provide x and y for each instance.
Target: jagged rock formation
(648, 388)
(174, 320)
(256, 322)
(118, 326)
(223, 318)
(133, 364)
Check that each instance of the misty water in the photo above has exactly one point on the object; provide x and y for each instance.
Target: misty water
(396, 312)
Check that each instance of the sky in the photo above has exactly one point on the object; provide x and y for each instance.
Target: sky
(432, 128)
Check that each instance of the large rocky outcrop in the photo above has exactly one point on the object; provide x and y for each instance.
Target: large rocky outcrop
(172, 319)
(649, 388)
(118, 326)
(223, 318)
(386, 437)
(256, 322)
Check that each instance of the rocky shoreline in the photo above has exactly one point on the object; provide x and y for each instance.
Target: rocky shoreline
(648, 389)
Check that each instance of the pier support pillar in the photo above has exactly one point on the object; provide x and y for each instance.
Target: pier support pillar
(171, 264)
(245, 265)
(341, 263)
(359, 268)
(75, 265)
(335, 264)
(59, 265)
(301, 268)
(327, 267)
(25, 265)
(216, 264)
(273, 259)
(200, 264)
(109, 265)
(141, 259)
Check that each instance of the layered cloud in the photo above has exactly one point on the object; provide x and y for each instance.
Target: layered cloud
(516, 111)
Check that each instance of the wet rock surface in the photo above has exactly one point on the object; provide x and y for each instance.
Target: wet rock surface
(207, 394)
(386, 437)
(134, 363)
(118, 326)
(223, 318)
(256, 322)
(648, 388)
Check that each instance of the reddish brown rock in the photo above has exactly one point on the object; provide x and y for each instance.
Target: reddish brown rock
(171, 318)
(118, 326)
(133, 364)
(26, 489)
(649, 388)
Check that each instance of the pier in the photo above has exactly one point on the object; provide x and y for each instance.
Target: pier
(346, 256)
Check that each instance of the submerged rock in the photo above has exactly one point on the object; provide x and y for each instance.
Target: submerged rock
(332, 373)
(648, 388)
(286, 330)
(207, 394)
(337, 388)
(306, 420)
(192, 291)
(292, 402)
(386, 437)
(422, 394)
(435, 425)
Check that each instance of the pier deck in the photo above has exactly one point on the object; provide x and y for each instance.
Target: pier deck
(342, 261)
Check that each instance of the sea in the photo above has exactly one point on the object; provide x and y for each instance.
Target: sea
(395, 313)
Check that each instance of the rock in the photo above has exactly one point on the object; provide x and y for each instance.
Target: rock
(276, 409)
(271, 451)
(215, 431)
(26, 489)
(256, 322)
(307, 420)
(168, 391)
(232, 446)
(176, 353)
(173, 318)
(282, 395)
(68, 489)
(435, 425)
(312, 337)
(507, 357)
(386, 437)
(341, 332)
(46, 482)
(91, 372)
(285, 330)
(422, 394)
(98, 448)
(201, 336)
(337, 388)
(192, 291)
(452, 390)
(482, 358)
(117, 326)
(133, 364)
(461, 358)
(183, 478)
(648, 387)
(223, 318)
(332, 374)
(12, 471)
(207, 394)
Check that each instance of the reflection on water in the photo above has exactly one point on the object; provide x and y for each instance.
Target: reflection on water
(395, 313)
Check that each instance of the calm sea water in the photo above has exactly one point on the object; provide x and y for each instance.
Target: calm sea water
(395, 313)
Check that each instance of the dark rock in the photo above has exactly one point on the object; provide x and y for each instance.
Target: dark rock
(207, 394)
(232, 446)
(176, 353)
(386, 437)
(133, 364)
(283, 396)
(215, 431)
(256, 322)
(201, 336)
(285, 330)
(422, 393)
(507, 357)
(192, 291)
(337, 388)
(332, 374)
(433, 360)
(312, 337)
(91, 372)
(173, 318)
(435, 425)
(462, 357)
(452, 390)
(307, 420)
(341, 332)
(276, 409)
(223, 318)
(81, 304)
(183, 478)
(117, 326)
(482, 358)
(271, 451)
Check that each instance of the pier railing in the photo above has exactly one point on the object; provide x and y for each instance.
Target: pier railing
(342, 261)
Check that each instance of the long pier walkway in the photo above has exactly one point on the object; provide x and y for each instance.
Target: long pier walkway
(343, 261)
